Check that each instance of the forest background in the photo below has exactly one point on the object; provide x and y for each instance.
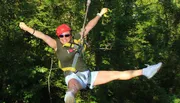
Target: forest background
(133, 33)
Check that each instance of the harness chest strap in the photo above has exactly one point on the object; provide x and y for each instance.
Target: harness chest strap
(77, 47)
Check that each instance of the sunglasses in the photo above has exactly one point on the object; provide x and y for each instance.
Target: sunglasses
(66, 35)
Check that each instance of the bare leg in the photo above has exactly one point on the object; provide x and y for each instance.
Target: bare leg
(73, 87)
(107, 76)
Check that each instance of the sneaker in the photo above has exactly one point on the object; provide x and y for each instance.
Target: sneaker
(151, 70)
(69, 98)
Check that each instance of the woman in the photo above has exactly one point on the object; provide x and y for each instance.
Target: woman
(80, 78)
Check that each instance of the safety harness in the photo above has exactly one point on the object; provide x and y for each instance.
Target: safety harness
(79, 49)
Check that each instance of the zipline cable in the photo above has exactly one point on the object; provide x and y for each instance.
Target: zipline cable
(85, 17)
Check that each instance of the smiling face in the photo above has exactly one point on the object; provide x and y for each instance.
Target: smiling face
(65, 37)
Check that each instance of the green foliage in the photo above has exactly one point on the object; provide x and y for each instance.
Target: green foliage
(131, 34)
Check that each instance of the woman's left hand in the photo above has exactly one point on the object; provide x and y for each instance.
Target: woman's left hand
(103, 11)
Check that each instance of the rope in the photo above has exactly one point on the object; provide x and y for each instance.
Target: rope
(49, 76)
(87, 9)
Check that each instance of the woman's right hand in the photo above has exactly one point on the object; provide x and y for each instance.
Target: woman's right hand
(23, 26)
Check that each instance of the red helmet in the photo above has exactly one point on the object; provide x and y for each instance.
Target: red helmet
(62, 28)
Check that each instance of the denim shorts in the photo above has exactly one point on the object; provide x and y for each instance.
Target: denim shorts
(81, 80)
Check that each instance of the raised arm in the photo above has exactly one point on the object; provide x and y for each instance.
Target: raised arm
(93, 22)
(50, 41)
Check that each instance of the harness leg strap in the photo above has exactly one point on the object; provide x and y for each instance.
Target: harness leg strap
(89, 79)
(80, 75)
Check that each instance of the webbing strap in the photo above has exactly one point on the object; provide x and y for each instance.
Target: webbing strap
(72, 69)
(89, 79)
(75, 59)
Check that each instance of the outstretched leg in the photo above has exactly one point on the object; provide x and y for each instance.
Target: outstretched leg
(107, 76)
